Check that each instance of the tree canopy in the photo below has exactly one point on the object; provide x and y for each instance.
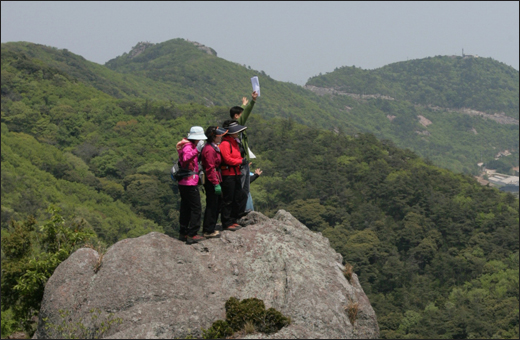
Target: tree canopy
(436, 252)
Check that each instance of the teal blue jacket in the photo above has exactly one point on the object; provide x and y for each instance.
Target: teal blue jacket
(242, 121)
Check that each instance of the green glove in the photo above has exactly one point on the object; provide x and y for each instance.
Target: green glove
(218, 189)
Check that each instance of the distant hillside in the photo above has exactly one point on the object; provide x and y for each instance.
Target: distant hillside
(455, 111)
(456, 140)
(481, 84)
(51, 176)
(183, 72)
(210, 80)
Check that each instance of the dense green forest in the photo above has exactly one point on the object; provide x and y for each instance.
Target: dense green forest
(436, 252)
(398, 96)
(455, 141)
(482, 84)
(183, 72)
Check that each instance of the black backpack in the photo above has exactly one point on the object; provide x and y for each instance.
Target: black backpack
(177, 172)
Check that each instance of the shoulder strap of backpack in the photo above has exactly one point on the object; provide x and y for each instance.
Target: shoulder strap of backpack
(230, 147)
(215, 148)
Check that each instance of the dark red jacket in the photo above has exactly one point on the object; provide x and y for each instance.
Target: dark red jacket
(211, 161)
(231, 157)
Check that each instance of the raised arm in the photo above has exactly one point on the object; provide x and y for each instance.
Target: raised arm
(247, 109)
(189, 152)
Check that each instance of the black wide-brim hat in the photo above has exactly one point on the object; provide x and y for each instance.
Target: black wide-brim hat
(220, 131)
(234, 127)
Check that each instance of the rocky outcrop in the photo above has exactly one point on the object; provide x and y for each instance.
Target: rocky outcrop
(424, 121)
(139, 48)
(499, 117)
(204, 48)
(321, 91)
(160, 287)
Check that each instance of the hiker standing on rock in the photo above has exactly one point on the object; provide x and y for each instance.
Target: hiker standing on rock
(241, 114)
(234, 198)
(191, 209)
(211, 161)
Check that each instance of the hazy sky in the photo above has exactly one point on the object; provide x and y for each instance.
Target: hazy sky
(290, 41)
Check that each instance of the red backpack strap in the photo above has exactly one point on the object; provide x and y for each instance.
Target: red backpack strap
(230, 147)
(224, 166)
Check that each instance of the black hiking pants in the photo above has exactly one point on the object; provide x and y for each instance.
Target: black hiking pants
(213, 206)
(191, 210)
(234, 200)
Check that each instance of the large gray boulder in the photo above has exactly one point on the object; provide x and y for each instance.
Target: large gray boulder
(162, 288)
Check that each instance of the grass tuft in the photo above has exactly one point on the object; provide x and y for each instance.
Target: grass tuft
(352, 312)
(348, 272)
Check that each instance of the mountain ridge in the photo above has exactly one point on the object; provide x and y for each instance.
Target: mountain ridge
(184, 72)
(422, 239)
(449, 134)
(438, 81)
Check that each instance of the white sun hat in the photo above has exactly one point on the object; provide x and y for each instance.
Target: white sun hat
(197, 133)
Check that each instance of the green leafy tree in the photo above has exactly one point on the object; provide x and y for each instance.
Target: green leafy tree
(30, 254)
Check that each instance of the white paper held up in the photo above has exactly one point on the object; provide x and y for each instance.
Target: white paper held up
(251, 154)
(256, 84)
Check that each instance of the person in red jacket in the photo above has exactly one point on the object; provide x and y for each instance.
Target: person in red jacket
(234, 198)
(211, 161)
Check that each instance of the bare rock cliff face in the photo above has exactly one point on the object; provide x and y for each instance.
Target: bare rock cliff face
(162, 288)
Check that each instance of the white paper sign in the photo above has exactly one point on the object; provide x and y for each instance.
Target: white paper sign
(256, 85)
(251, 154)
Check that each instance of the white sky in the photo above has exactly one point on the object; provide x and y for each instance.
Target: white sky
(290, 41)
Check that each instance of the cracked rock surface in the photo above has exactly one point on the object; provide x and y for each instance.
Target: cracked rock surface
(162, 288)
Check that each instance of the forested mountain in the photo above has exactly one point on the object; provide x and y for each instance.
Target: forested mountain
(454, 111)
(455, 82)
(206, 79)
(35, 175)
(187, 72)
(436, 252)
(47, 62)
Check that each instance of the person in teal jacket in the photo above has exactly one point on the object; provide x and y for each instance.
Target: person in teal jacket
(241, 114)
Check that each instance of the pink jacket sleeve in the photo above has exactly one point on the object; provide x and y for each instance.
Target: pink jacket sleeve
(188, 159)
(189, 152)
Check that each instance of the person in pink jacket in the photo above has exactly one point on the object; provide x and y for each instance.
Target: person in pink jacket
(211, 160)
(191, 209)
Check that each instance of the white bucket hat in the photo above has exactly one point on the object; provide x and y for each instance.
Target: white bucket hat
(197, 133)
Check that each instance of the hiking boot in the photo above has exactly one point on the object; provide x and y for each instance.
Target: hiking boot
(215, 234)
(233, 227)
(183, 238)
(194, 239)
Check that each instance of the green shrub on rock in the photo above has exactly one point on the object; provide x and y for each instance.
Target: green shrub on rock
(274, 321)
(219, 330)
(239, 312)
(248, 311)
